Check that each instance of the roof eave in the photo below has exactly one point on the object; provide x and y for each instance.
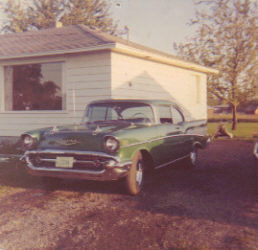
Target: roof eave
(123, 49)
(107, 46)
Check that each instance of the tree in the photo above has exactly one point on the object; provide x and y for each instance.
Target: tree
(93, 13)
(40, 14)
(226, 38)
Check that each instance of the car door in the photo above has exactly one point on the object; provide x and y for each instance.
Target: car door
(183, 141)
(167, 149)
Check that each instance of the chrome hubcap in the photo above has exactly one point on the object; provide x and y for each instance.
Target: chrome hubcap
(193, 156)
(139, 173)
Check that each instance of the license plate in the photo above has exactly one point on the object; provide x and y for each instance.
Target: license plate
(64, 162)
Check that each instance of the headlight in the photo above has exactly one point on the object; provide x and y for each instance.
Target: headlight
(111, 144)
(28, 141)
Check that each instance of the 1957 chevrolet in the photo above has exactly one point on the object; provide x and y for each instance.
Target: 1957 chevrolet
(116, 139)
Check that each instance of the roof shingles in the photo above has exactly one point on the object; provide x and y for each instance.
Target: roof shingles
(48, 40)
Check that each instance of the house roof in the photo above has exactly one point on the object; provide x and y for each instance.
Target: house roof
(50, 40)
(79, 38)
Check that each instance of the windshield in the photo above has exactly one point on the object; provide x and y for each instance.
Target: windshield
(114, 112)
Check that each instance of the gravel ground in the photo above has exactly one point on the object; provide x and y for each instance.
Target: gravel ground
(214, 206)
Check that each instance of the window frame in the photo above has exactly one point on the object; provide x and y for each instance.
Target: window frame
(64, 109)
(170, 111)
(180, 112)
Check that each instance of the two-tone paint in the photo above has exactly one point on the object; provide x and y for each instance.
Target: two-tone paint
(160, 143)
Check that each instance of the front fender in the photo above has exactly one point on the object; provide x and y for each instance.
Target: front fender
(126, 153)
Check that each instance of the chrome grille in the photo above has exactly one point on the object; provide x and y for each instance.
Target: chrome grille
(81, 161)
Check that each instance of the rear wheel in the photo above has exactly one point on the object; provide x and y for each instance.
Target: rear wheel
(135, 177)
(192, 158)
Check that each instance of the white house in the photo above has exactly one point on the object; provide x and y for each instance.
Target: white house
(47, 77)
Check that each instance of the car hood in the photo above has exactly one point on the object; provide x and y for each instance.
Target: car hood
(78, 137)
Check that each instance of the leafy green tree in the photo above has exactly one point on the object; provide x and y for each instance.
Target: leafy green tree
(226, 38)
(40, 14)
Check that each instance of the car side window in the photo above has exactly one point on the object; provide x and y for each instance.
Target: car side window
(165, 115)
(177, 116)
(111, 114)
(97, 113)
(140, 112)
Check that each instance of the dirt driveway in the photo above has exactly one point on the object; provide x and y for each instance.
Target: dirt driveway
(214, 206)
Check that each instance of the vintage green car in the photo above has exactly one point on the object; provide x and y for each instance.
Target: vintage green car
(116, 139)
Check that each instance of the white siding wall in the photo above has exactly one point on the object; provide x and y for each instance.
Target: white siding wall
(86, 77)
(138, 78)
(89, 77)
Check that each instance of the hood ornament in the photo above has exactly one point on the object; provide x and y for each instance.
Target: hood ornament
(97, 130)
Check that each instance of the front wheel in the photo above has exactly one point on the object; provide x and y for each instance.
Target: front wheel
(134, 179)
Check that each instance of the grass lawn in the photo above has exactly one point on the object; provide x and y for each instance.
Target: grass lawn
(245, 130)
(228, 117)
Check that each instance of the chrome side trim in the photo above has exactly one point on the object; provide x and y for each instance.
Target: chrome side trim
(161, 138)
(165, 164)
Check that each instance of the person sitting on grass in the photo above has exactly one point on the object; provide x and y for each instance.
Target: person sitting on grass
(222, 131)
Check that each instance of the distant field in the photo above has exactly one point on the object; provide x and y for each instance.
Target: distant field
(245, 130)
(228, 117)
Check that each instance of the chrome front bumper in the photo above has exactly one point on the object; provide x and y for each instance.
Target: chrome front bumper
(111, 169)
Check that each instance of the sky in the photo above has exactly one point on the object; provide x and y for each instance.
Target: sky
(153, 23)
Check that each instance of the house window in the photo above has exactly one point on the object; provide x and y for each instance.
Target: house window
(34, 87)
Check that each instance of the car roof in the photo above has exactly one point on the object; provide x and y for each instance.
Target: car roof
(140, 101)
